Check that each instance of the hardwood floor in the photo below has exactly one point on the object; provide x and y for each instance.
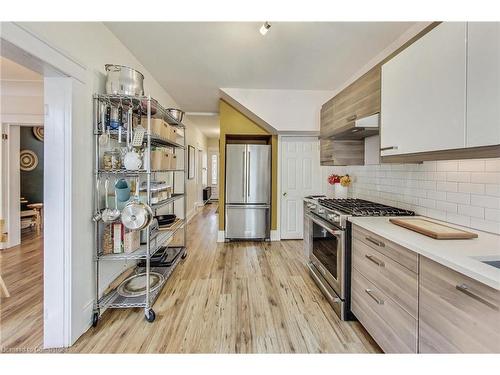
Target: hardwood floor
(21, 314)
(241, 297)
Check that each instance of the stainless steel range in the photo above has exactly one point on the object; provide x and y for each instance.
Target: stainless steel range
(327, 238)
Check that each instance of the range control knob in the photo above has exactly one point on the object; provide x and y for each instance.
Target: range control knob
(311, 206)
(321, 211)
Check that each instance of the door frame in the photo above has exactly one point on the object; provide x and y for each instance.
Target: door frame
(63, 79)
(210, 152)
(280, 170)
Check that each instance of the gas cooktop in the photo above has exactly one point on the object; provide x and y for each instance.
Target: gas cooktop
(360, 207)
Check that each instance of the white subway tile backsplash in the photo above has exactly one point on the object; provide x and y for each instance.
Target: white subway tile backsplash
(458, 176)
(492, 190)
(485, 201)
(447, 186)
(448, 166)
(463, 198)
(492, 165)
(485, 177)
(471, 165)
(492, 214)
(464, 192)
(458, 219)
(471, 211)
(447, 206)
(464, 187)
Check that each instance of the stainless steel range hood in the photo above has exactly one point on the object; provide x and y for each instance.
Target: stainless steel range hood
(358, 128)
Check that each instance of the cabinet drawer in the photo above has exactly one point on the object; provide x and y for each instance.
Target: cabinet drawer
(399, 283)
(457, 314)
(398, 253)
(394, 330)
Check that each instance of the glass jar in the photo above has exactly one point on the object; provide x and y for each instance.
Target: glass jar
(112, 160)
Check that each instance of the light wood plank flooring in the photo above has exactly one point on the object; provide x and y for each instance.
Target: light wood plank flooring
(239, 297)
(232, 298)
(21, 314)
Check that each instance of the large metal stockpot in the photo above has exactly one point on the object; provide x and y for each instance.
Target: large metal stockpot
(124, 80)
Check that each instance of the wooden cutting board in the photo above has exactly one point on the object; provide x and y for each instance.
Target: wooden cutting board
(433, 230)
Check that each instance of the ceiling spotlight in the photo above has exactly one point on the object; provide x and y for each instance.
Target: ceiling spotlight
(265, 28)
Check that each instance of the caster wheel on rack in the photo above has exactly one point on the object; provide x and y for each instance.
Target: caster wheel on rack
(183, 256)
(150, 316)
(95, 319)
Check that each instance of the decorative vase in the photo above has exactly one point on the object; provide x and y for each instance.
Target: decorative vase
(340, 191)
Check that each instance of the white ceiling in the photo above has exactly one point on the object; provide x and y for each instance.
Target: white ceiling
(192, 60)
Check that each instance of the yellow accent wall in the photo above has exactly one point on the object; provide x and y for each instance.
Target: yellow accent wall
(233, 122)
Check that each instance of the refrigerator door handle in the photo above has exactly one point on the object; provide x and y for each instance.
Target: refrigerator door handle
(256, 206)
(248, 174)
(243, 175)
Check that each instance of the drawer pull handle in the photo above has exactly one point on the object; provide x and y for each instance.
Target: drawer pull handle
(352, 118)
(374, 241)
(375, 260)
(466, 290)
(378, 300)
(389, 148)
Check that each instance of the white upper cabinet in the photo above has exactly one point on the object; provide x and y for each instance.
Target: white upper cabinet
(424, 94)
(483, 84)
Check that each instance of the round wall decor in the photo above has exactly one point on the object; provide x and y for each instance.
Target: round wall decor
(28, 160)
(38, 132)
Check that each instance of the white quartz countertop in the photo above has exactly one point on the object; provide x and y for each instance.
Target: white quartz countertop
(459, 255)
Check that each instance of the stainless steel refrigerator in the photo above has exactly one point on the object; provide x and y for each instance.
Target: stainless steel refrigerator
(248, 191)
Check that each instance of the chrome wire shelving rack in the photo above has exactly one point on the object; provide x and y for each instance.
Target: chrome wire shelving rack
(146, 109)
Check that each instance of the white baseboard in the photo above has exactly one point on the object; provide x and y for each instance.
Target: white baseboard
(221, 236)
(275, 235)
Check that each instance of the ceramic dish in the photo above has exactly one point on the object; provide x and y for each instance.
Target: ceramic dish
(136, 285)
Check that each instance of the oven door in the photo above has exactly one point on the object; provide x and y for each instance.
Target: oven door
(327, 248)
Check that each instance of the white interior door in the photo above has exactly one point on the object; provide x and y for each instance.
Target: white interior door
(3, 181)
(300, 176)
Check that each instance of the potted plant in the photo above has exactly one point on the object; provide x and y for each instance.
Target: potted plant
(340, 185)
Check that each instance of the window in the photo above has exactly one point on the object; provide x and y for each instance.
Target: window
(214, 171)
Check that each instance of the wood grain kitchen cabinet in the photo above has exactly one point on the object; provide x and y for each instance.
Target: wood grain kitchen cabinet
(423, 105)
(384, 293)
(456, 314)
(394, 330)
(483, 83)
(358, 100)
(341, 152)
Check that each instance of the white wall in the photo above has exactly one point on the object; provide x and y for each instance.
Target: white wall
(93, 45)
(284, 110)
(464, 192)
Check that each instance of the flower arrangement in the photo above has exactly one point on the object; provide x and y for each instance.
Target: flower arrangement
(337, 179)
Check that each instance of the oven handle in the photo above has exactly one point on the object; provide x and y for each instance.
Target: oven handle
(321, 286)
(323, 224)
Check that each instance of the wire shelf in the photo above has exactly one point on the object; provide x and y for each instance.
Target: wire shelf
(157, 110)
(162, 238)
(156, 140)
(114, 300)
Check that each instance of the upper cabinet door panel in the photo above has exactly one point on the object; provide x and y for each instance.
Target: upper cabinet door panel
(483, 84)
(423, 94)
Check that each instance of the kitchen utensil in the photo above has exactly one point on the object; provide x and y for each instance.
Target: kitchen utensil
(136, 215)
(166, 219)
(97, 215)
(124, 80)
(104, 137)
(122, 190)
(138, 136)
(153, 231)
(109, 215)
(176, 113)
(434, 230)
(132, 160)
(136, 285)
